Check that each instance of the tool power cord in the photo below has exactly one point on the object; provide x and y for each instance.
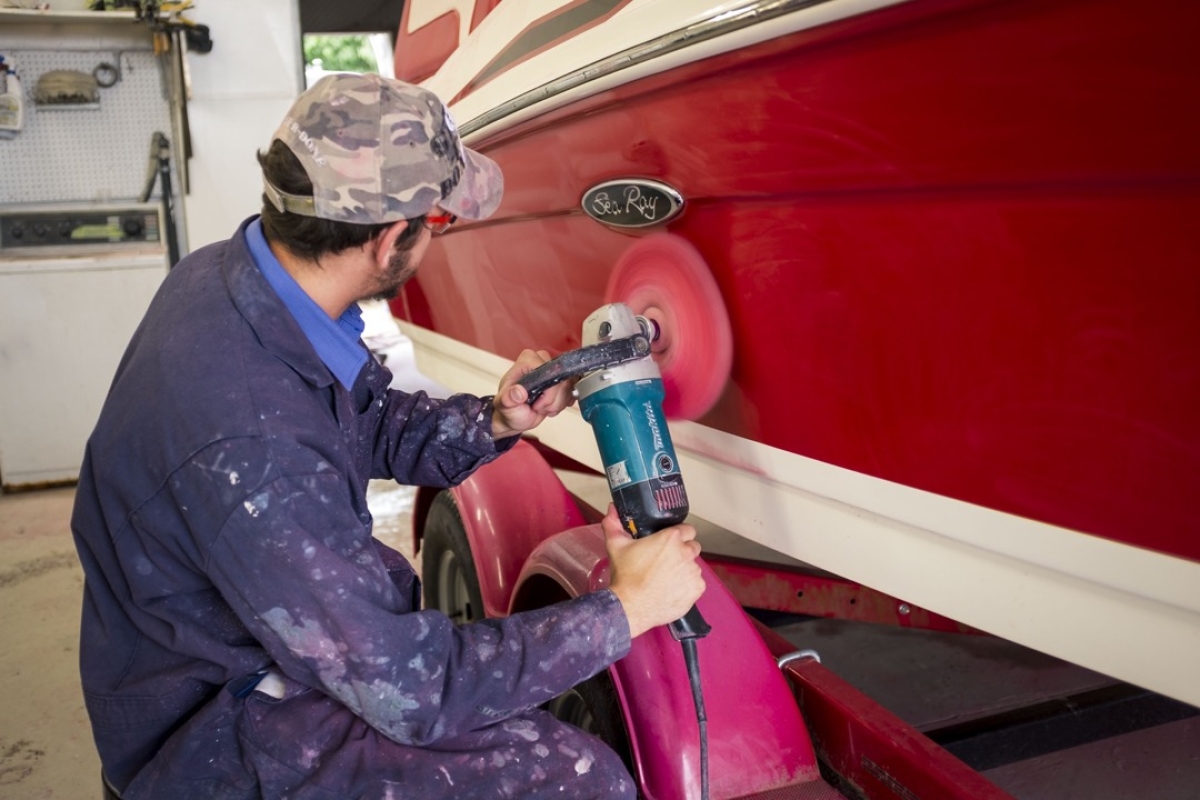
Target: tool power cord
(692, 659)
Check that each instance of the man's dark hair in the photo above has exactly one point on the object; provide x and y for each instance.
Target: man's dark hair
(312, 237)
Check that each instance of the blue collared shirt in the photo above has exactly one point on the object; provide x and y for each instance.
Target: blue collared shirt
(337, 342)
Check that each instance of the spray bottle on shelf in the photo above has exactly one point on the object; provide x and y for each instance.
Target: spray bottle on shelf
(12, 104)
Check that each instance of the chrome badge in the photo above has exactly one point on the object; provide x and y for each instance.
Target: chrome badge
(632, 203)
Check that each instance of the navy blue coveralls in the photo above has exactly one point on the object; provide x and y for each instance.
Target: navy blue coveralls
(222, 524)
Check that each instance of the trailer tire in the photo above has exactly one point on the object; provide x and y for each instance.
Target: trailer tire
(451, 584)
(593, 707)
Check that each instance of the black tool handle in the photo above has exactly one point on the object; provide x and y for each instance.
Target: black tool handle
(642, 517)
(579, 362)
(690, 626)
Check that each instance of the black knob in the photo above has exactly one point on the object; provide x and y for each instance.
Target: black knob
(17, 231)
(132, 226)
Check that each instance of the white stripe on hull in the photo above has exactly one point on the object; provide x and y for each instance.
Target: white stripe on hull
(586, 64)
(1123, 611)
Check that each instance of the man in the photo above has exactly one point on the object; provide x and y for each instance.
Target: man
(243, 634)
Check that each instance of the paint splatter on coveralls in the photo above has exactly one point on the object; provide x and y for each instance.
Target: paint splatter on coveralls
(222, 523)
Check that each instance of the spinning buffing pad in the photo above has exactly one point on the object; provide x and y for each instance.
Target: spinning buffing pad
(664, 279)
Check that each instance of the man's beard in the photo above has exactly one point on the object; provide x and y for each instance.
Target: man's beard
(400, 268)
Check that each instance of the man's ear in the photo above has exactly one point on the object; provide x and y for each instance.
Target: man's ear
(386, 241)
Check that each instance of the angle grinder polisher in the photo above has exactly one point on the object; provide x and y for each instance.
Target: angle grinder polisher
(663, 348)
(620, 392)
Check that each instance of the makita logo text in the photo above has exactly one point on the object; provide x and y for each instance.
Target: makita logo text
(653, 420)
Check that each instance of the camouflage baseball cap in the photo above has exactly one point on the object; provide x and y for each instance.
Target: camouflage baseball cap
(380, 150)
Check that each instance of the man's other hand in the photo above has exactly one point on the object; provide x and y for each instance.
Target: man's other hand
(656, 578)
(513, 414)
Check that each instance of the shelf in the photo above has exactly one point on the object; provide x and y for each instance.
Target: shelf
(14, 15)
(66, 106)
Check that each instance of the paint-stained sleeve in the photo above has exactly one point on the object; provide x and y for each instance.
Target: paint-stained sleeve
(422, 441)
(299, 570)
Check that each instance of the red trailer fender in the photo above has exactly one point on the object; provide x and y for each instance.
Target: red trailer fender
(757, 738)
(508, 507)
(532, 546)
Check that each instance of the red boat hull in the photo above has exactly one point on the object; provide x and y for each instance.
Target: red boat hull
(957, 242)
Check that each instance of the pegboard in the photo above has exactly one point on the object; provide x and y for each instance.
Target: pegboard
(98, 152)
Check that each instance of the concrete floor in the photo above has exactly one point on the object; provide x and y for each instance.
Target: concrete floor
(46, 748)
(45, 742)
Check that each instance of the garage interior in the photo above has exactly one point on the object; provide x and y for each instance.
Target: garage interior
(179, 174)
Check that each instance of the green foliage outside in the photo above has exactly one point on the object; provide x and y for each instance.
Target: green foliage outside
(340, 53)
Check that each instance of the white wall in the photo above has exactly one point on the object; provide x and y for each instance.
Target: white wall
(240, 92)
